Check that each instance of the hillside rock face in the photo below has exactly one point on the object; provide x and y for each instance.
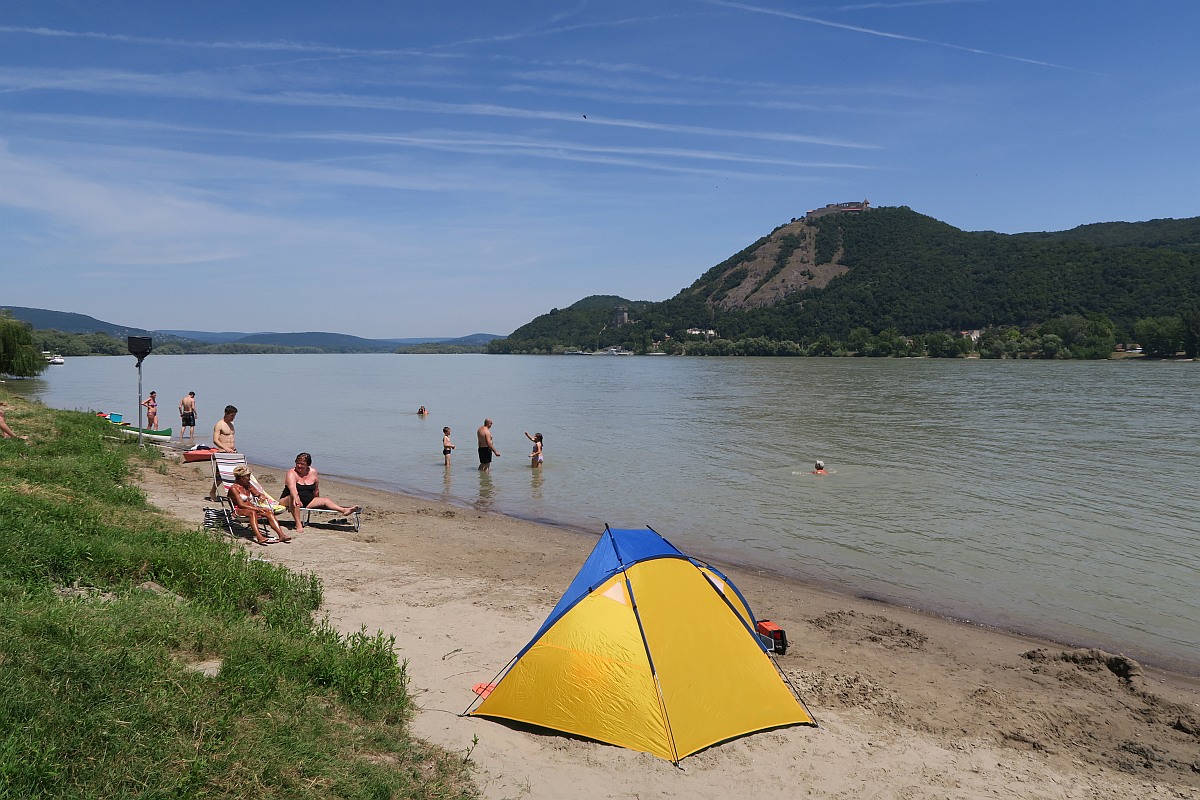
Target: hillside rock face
(775, 270)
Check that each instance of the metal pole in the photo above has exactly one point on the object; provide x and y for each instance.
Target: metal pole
(139, 366)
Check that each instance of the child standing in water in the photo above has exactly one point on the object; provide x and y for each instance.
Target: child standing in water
(446, 446)
(535, 457)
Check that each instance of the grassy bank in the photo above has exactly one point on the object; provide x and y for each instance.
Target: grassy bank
(138, 658)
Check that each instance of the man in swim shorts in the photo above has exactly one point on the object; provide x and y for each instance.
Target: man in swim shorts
(225, 438)
(187, 415)
(487, 447)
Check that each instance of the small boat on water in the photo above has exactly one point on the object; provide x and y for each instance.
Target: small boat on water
(163, 435)
(56, 359)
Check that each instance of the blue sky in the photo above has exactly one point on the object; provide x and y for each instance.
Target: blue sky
(439, 169)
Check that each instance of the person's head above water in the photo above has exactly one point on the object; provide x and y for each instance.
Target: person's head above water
(820, 465)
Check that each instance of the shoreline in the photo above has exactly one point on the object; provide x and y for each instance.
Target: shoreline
(1164, 662)
(909, 704)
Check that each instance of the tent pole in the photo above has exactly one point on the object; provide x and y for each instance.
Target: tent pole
(495, 681)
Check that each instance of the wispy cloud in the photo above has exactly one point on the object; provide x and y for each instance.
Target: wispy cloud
(897, 36)
(534, 32)
(282, 46)
(188, 86)
(308, 174)
(563, 150)
(909, 4)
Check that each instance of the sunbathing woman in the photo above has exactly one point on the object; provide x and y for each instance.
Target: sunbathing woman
(302, 483)
(250, 501)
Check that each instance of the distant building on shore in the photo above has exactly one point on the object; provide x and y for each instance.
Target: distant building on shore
(620, 316)
(839, 208)
(707, 334)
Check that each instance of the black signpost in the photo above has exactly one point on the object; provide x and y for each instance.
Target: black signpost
(140, 347)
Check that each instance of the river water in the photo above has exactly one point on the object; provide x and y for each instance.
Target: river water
(1052, 498)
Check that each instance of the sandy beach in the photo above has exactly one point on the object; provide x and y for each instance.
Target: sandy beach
(908, 705)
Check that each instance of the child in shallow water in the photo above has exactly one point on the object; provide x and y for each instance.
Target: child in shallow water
(535, 457)
(446, 446)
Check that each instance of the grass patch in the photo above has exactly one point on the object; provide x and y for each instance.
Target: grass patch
(216, 682)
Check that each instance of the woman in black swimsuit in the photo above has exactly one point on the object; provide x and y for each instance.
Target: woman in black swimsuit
(302, 482)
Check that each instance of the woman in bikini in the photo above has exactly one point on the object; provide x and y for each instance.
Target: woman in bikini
(151, 404)
(303, 485)
(251, 502)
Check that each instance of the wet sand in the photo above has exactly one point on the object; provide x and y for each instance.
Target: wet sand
(909, 705)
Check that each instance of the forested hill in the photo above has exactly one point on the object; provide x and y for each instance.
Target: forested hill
(892, 268)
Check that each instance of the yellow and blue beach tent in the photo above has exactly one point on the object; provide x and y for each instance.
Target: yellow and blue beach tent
(647, 649)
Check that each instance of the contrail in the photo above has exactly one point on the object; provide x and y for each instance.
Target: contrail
(909, 4)
(898, 36)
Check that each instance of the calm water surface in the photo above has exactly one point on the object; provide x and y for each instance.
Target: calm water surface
(1052, 498)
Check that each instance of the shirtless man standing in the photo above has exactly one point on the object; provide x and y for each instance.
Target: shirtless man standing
(486, 447)
(223, 438)
(223, 435)
(187, 414)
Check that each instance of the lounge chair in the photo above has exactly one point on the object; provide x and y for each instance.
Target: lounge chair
(354, 517)
(223, 466)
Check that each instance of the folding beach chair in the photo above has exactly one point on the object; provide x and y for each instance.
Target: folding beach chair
(223, 466)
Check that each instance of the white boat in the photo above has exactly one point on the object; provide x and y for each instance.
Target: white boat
(613, 351)
(55, 359)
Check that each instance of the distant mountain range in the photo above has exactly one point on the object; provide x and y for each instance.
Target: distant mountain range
(68, 322)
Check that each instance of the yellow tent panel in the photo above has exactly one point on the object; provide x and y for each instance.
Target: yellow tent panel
(717, 683)
(588, 675)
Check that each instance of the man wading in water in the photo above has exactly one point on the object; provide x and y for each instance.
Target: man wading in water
(486, 447)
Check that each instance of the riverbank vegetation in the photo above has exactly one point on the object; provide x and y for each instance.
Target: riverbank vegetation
(140, 658)
(1071, 336)
(103, 344)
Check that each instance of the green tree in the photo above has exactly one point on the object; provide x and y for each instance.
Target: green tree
(824, 346)
(18, 356)
(941, 345)
(859, 341)
(1052, 346)
(1160, 337)
(1191, 334)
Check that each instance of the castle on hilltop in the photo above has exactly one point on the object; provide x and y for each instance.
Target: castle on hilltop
(839, 208)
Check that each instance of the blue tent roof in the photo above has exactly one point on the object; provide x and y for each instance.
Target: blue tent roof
(617, 549)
